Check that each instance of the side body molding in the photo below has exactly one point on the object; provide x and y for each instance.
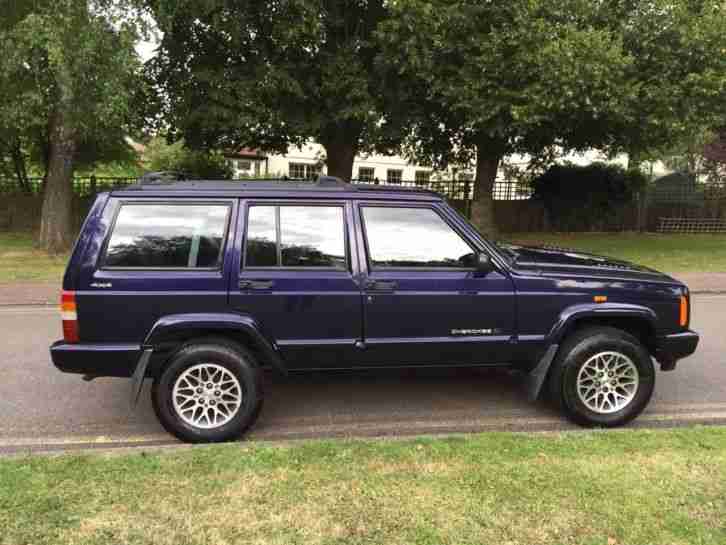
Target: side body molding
(179, 326)
(569, 316)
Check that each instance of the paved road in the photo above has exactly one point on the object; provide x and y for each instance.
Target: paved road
(41, 408)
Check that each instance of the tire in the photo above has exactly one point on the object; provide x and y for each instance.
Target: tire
(579, 384)
(234, 374)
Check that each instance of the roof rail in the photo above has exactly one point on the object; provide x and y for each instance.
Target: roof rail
(162, 177)
(331, 181)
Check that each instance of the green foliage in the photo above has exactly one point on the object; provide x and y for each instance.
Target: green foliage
(269, 74)
(535, 76)
(521, 76)
(162, 156)
(585, 196)
(73, 55)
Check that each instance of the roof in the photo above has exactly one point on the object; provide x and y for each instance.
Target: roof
(326, 188)
(246, 153)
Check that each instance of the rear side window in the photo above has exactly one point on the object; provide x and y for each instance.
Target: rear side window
(160, 236)
(295, 236)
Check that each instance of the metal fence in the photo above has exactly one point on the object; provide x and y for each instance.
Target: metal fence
(82, 185)
(695, 194)
(463, 190)
(460, 190)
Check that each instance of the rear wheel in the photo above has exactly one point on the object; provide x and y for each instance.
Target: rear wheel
(211, 391)
(602, 376)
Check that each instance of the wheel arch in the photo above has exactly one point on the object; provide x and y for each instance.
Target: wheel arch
(636, 320)
(171, 332)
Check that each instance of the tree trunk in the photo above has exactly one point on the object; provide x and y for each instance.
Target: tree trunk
(488, 156)
(340, 156)
(56, 228)
(21, 172)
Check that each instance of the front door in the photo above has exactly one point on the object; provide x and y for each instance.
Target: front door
(296, 278)
(423, 301)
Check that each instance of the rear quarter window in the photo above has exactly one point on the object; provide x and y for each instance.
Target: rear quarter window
(161, 236)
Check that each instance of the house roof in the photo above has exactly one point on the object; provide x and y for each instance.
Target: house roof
(246, 153)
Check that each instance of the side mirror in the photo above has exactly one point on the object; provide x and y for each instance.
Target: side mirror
(484, 264)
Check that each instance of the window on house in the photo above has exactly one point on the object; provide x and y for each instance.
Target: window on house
(297, 170)
(394, 176)
(244, 166)
(366, 174)
(423, 176)
(295, 236)
(413, 237)
(167, 236)
(303, 171)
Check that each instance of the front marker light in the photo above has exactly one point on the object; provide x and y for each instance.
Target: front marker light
(683, 315)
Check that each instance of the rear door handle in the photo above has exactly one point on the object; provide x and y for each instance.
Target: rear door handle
(256, 284)
(381, 285)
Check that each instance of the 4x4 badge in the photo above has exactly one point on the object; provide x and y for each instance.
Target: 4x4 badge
(101, 284)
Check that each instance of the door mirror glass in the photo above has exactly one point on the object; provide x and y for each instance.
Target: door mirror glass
(484, 264)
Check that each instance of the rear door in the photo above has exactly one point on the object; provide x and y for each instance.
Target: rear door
(423, 301)
(159, 257)
(297, 278)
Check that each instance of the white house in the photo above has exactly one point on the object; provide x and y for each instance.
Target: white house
(307, 162)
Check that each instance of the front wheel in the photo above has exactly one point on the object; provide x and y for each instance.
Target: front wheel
(210, 391)
(602, 376)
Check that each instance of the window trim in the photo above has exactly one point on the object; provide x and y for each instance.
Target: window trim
(388, 176)
(435, 210)
(309, 170)
(278, 230)
(101, 262)
(370, 176)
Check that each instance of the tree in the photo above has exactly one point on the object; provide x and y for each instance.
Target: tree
(489, 79)
(68, 71)
(273, 73)
(162, 156)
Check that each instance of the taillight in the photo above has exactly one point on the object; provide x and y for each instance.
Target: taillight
(69, 316)
(683, 315)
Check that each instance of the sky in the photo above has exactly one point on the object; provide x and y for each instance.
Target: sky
(145, 49)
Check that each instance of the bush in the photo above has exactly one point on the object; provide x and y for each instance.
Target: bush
(161, 156)
(586, 198)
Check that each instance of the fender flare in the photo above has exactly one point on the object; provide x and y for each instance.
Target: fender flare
(575, 313)
(174, 326)
(536, 377)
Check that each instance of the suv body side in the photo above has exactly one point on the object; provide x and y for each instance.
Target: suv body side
(358, 315)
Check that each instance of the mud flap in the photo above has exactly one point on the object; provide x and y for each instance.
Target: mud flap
(137, 380)
(536, 377)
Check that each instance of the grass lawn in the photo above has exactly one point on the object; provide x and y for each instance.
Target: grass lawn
(20, 261)
(667, 253)
(623, 487)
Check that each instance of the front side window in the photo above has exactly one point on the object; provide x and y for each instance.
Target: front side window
(295, 236)
(413, 237)
(159, 236)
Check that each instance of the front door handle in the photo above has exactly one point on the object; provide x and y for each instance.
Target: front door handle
(256, 284)
(381, 285)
